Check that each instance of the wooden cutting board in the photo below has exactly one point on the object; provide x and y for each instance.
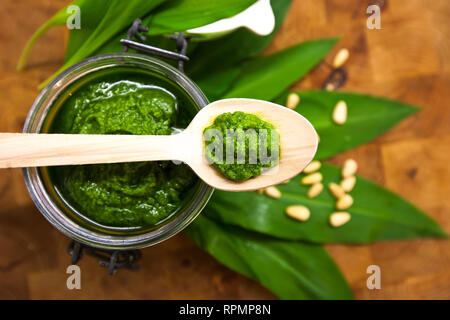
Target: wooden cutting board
(408, 59)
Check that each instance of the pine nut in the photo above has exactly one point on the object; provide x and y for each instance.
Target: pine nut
(348, 183)
(336, 190)
(292, 100)
(312, 178)
(341, 58)
(312, 166)
(337, 219)
(344, 202)
(298, 212)
(286, 181)
(273, 192)
(349, 168)
(315, 190)
(260, 191)
(340, 112)
(330, 87)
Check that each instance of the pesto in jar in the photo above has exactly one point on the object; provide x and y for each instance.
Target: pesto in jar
(139, 194)
(241, 145)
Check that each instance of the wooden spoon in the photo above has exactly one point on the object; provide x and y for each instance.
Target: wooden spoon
(298, 144)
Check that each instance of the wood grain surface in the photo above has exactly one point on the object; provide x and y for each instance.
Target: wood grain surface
(408, 59)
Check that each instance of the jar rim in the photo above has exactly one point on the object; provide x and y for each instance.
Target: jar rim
(36, 188)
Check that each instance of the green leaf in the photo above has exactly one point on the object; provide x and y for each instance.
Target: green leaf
(173, 15)
(377, 214)
(106, 19)
(228, 50)
(367, 118)
(103, 20)
(216, 83)
(267, 77)
(92, 12)
(181, 15)
(178, 15)
(100, 21)
(291, 270)
(186, 22)
(225, 54)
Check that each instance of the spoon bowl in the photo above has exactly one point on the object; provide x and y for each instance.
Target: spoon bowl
(298, 145)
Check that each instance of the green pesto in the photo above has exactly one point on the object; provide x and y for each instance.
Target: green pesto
(246, 128)
(125, 194)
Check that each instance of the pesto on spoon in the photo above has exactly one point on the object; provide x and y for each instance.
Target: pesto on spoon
(252, 142)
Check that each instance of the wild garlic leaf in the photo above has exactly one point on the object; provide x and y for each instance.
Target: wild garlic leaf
(291, 270)
(229, 50)
(216, 83)
(182, 15)
(118, 16)
(100, 20)
(175, 8)
(367, 118)
(377, 214)
(218, 61)
(267, 77)
(100, 23)
(114, 18)
(92, 13)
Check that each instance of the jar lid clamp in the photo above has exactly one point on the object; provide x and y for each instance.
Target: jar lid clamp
(135, 31)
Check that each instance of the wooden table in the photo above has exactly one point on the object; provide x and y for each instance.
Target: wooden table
(408, 59)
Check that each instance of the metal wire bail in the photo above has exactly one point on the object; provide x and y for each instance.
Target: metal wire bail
(135, 32)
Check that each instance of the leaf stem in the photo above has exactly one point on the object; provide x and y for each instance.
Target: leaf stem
(26, 51)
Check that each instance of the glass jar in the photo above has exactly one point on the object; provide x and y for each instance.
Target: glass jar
(56, 212)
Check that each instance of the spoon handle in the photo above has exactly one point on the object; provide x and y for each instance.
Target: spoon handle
(36, 150)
